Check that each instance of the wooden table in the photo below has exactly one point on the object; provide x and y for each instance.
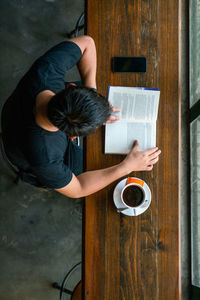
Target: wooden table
(136, 258)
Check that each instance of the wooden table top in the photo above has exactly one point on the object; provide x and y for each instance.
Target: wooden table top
(136, 258)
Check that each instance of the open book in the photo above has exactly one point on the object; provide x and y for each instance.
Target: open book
(138, 115)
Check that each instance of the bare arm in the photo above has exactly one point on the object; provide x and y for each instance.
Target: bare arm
(88, 63)
(90, 182)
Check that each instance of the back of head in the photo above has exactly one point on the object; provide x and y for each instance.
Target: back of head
(78, 110)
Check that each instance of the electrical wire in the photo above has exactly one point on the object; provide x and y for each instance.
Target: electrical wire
(78, 27)
(66, 278)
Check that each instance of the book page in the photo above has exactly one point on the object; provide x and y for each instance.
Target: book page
(138, 105)
(116, 138)
(145, 133)
(120, 137)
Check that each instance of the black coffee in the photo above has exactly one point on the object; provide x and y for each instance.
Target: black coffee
(133, 196)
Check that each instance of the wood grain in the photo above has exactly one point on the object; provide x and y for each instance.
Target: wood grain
(136, 258)
(77, 293)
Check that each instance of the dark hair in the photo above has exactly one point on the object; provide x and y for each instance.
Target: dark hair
(78, 110)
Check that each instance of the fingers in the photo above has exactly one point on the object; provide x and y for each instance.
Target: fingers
(149, 168)
(155, 154)
(151, 151)
(112, 119)
(115, 109)
(154, 161)
(136, 145)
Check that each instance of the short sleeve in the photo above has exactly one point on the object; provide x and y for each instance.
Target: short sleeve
(48, 71)
(62, 57)
(53, 175)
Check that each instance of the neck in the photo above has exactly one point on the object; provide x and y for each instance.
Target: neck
(41, 118)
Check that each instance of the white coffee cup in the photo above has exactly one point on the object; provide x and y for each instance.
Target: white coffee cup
(133, 195)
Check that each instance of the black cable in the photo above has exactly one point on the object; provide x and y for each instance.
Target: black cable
(78, 27)
(66, 278)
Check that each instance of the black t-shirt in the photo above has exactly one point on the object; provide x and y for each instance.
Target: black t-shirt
(28, 146)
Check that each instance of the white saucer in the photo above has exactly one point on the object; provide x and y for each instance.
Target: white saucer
(131, 211)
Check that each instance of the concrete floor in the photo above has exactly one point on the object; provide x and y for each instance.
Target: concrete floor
(40, 232)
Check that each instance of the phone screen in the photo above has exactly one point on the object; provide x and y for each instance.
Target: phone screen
(129, 64)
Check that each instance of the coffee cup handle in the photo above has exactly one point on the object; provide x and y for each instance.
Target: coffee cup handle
(122, 209)
(145, 203)
(119, 210)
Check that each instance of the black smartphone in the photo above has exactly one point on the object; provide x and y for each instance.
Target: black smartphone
(122, 64)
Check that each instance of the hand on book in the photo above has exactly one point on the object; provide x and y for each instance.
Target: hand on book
(141, 160)
(114, 117)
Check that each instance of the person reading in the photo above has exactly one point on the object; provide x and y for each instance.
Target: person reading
(43, 116)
